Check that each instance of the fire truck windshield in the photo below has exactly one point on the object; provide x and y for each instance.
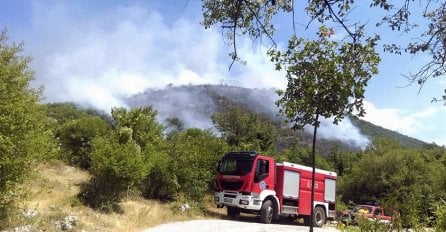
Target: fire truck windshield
(238, 167)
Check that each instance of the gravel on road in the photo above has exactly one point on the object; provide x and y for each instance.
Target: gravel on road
(231, 226)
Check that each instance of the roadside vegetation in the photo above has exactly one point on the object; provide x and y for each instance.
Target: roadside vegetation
(60, 158)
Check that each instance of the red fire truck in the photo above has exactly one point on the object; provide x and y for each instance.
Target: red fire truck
(250, 183)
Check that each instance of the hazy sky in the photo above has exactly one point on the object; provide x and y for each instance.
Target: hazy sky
(96, 52)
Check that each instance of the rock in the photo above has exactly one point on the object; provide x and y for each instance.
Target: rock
(71, 219)
(29, 213)
(27, 228)
(184, 207)
(66, 226)
(67, 223)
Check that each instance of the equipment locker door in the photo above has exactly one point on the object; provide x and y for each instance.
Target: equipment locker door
(291, 184)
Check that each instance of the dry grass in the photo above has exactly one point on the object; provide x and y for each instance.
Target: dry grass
(53, 195)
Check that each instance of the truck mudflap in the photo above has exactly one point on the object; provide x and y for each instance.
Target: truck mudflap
(236, 199)
(331, 214)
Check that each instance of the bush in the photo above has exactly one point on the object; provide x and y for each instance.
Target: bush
(24, 138)
(406, 180)
(76, 139)
(302, 155)
(246, 129)
(161, 183)
(194, 154)
(146, 129)
(440, 216)
(115, 168)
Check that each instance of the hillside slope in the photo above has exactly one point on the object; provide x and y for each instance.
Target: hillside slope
(195, 104)
(371, 130)
(52, 201)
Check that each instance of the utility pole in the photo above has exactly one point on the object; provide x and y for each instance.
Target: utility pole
(313, 165)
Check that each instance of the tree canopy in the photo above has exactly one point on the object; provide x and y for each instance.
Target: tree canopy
(255, 19)
(24, 137)
(246, 130)
(325, 77)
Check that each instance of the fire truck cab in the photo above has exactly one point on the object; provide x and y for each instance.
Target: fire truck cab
(250, 183)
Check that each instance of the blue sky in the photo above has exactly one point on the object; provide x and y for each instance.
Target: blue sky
(96, 52)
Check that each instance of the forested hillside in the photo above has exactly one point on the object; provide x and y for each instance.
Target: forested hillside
(193, 106)
(373, 131)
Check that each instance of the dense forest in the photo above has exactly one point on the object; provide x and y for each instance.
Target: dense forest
(132, 149)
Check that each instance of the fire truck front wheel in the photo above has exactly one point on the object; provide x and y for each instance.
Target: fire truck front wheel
(266, 212)
(232, 211)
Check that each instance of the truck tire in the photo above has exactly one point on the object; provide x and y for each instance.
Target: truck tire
(267, 212)
(319, 217)
(232, 211)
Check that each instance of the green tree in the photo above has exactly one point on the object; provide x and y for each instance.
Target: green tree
(23, 136)
(194, 155)
(174, 124)
(161, 182)
(342, 161)
(302, 155)
(252, 18)
(440, 216)
(255, 19)
(146, 130)
(61, 112)
(117, 164)
(121, 161)
(246, 130)
(407, 180)
(76, 138)
(325, 78)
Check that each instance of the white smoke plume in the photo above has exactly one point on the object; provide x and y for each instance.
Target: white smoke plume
(194, 106)
(101, 59)
(344, 131)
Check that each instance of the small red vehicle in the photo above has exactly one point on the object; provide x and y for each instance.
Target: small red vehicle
(371, 212)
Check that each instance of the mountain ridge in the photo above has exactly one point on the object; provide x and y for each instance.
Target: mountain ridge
(195, 104)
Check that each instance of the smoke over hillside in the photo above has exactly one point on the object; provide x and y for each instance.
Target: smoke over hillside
(113, 53)
(195, 104)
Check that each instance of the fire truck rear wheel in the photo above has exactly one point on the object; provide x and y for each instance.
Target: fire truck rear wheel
(232, 211)
(319, 217)
(266, 212)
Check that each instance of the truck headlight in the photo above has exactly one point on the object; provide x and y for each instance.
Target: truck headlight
(216, 199)
(244, 202)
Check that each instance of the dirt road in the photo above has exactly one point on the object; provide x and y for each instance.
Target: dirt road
(231, 226)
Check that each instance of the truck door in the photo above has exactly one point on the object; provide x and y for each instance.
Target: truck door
(264, 177)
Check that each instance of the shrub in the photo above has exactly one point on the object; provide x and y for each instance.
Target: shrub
(161, 183)
(146, 129)
(245, 129)
(115, 168)
(24, 138)
(405, 180)
(440, 216)
(76, 138)
(194, 154)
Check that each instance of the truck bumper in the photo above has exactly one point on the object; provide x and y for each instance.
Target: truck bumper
(237, 199)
